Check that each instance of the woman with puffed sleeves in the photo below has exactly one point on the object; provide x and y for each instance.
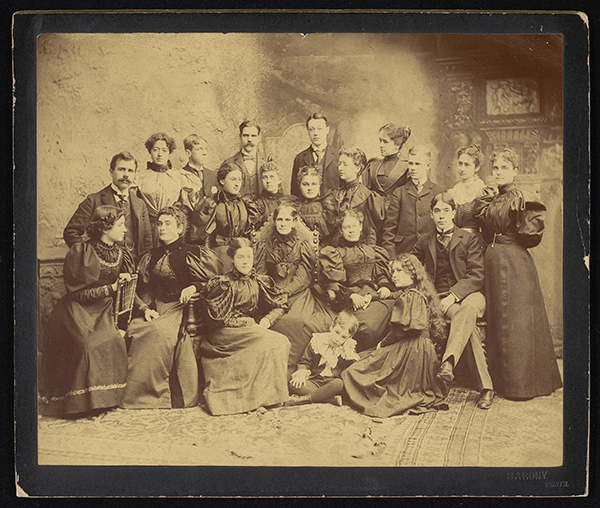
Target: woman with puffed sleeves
(84, 360)
(290, 259)
(244, 362)
(163, 372)
(356, 277)
(521, 355)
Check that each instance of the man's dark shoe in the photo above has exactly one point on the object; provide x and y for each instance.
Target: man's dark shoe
(446, 372)
(485, 399)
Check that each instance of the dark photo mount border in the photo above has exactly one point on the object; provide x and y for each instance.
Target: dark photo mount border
(99, 481)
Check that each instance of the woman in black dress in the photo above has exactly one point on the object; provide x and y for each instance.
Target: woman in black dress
(84, 359)
(163, 372)
(521, 355)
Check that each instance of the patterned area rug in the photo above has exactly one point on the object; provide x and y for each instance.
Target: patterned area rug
(313, 435)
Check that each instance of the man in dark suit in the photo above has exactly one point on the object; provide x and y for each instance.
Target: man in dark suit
(119, 193)
(248, 159)
(197, 179)
(408, 215)
(453, 258)
(319, 152)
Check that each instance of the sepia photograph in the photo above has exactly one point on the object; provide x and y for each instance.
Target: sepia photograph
(332, 249)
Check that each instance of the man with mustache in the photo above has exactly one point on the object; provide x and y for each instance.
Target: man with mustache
(248, 160)
(120, 193)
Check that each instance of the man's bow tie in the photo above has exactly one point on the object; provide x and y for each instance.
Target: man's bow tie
(445, 234)
(249, 157)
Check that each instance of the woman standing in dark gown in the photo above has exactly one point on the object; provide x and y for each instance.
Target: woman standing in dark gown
(163, 372)
(385, 175)
(244, 362)
(84, 359)
(521, 355)
(291, 261)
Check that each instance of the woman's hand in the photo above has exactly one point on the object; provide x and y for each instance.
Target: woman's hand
(299, 378)
(265, 323)
(357, 301)
(383, 293)
(186, 294)
(150, 314)
(331, 294)
(123, 277)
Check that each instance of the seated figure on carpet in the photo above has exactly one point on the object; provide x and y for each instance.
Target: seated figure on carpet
(83, 355)
(326, 356)
(400, 373)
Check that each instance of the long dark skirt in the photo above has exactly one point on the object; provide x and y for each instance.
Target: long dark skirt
(244, 368)
(521, 355)
(373, 323)
(84, 359)
(396, 378)
(307, 315)
(162, 369)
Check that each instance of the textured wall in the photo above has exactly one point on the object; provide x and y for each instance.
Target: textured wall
(99, 94)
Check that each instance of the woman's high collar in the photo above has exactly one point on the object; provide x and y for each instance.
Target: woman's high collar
(352, 184)
(173, 246)
(503, 189)
(159, 169)
(237, 275)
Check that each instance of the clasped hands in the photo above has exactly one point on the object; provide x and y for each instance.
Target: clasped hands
(360, 302)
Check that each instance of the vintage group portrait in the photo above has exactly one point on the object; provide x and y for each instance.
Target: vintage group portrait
(349, 250)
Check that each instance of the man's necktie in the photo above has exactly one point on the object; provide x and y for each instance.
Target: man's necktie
(319, 156)
(445, 237)
(121, 201)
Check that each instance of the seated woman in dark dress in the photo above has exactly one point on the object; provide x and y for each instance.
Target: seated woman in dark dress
(308, 203)
(84, 359)
(244, 363)
(227, 215)
(356, 277)
(290, 259)
(399, 375)
(163, 372)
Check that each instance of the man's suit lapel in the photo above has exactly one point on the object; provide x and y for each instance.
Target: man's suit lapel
(107, 196)
(432, 244)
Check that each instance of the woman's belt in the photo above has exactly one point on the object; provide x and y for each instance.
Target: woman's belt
(504, 239)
